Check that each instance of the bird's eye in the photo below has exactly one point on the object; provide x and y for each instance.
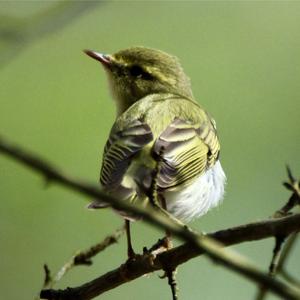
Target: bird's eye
(137, 71)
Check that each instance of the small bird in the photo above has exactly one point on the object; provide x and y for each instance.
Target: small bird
(161, 134)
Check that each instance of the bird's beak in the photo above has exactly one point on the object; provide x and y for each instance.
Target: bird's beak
(105, 59)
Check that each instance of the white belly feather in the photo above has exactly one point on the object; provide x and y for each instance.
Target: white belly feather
(203, 194)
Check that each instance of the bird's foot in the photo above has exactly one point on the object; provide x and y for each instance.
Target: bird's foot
(160, 246)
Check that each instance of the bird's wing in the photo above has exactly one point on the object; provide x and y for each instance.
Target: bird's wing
(121, 146)
(184, 151)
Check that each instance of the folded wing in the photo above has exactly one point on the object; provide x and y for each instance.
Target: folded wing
(120, 148)
(185, 150)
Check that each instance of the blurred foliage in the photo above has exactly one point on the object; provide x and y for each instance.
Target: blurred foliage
(243, 58)
(18, 32)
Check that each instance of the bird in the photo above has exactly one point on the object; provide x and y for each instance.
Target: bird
(161, 134)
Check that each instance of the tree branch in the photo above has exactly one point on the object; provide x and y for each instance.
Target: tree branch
(202, 243)
(17, 33)
(176, 256)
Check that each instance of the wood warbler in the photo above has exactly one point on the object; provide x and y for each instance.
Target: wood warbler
(160, 131)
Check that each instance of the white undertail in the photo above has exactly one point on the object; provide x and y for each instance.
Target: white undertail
(203, 194)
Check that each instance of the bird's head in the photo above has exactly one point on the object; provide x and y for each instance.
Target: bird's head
(137, 72)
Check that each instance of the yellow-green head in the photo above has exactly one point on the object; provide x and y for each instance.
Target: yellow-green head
(138, 71)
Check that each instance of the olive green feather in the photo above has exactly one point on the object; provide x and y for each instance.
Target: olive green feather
(166, 125)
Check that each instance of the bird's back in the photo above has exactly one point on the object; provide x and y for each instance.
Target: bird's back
(168, 130)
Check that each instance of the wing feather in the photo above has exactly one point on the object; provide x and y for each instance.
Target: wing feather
(185, 151)
(120, 149)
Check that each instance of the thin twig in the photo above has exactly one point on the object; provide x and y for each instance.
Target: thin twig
(278, 260)
(81, 258)
(171, 275)
(291, 241)
(213, 250)
(84, 258)
(284, 257)
(292, 202)
(279, 240)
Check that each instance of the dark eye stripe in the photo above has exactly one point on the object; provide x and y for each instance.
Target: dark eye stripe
(138, 71)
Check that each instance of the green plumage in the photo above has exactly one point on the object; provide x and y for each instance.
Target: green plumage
(158, 122)
(178, 125)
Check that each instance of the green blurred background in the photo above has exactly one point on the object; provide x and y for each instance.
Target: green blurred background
(243, 58)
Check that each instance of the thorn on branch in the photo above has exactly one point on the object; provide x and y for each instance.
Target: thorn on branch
(294, 186)
(48, 277)
(290, 175)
